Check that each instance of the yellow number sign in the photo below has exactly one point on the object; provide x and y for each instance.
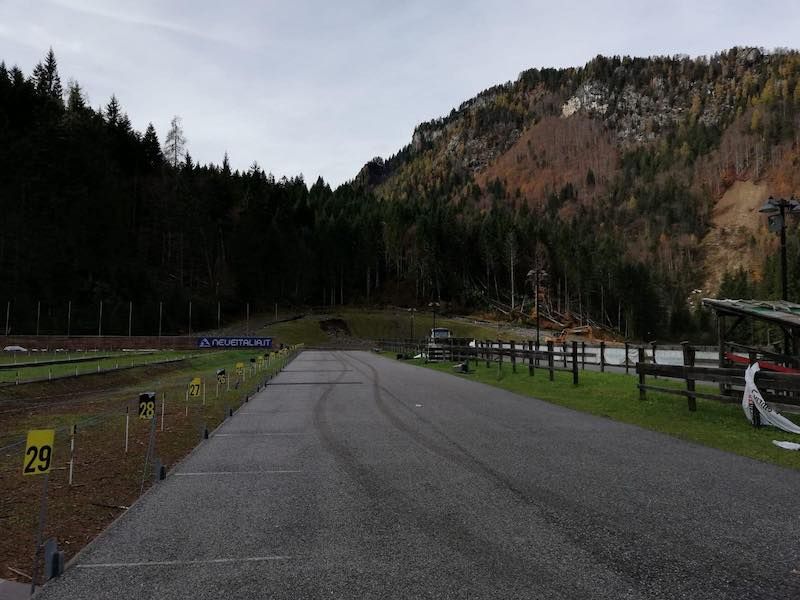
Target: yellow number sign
(38, 452)
(221, 376)
(240, 368)
(194, 387)
(259, 359)
(147, 405)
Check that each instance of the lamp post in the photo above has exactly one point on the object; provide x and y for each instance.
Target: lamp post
(433, 306)
(412, 311)
(776, 209)
(536, 274)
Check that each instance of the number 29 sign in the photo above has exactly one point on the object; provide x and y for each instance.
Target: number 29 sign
(38, 452)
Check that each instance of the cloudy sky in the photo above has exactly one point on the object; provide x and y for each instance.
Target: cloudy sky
(320, 87)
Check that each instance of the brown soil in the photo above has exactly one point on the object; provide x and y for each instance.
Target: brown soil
(106, 480)
(737, 237)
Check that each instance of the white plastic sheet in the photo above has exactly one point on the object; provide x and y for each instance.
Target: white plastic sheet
(752, 401)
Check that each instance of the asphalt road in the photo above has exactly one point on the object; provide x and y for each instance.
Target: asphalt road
(354, 476)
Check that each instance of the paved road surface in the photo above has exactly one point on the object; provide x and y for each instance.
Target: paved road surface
(358, 477)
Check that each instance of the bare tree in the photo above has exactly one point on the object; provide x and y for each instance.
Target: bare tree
(175, 143)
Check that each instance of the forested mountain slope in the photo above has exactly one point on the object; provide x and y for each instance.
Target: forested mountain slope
(619, 168)
(618, 178)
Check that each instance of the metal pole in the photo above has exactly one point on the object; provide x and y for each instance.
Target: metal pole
(163, 404)
(39, 532)
(784, 281)
(784, 277)
(537, 309)
(100, 321)
(72, 451)
(160, 311)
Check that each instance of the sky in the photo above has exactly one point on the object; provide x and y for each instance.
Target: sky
(321, 87)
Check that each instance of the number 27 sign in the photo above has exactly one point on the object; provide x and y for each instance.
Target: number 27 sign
(38, 452)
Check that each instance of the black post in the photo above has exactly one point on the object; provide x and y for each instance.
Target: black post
(530, 357)
(583, 356)
(602, 357)
(499, 358)
(626, 358)
(564, 353)
(688, 363)
(639, 366)
(487, 352)
(550, 361)
(574, 363)
(513, 357)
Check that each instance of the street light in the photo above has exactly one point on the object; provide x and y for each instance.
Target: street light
(433, 306)
(536, 275)
(776, 210)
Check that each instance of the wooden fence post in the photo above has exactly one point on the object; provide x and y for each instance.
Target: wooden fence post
(641, 373)
(688, 362)
(499, 358)
(626, 358)
(602, 357)
(513, 356)
(550, 361)
(530, 358)
(574, 363)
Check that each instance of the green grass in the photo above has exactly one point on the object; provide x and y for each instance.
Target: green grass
(121, 360)
(173, 383)
(616, 396)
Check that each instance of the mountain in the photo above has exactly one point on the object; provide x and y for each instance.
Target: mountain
(629, 183)
(666, 157)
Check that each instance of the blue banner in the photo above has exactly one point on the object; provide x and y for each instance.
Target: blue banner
(234, 342)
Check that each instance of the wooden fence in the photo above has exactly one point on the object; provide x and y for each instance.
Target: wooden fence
(782, 389)
(568, 357)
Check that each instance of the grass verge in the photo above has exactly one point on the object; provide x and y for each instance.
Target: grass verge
(616, 396)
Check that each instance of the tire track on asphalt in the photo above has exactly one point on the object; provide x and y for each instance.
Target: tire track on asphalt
(603, 536)
(500, 565)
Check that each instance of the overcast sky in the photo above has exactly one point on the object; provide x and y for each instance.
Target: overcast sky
(320, 87)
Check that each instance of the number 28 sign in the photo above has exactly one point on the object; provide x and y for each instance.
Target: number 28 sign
(38, 452)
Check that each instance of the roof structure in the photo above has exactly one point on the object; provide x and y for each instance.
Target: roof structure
(779, 312)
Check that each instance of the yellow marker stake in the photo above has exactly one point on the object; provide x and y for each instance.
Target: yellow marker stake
(38, 452)
(194, 387)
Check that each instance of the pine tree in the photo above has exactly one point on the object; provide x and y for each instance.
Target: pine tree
(113, 112)
(152, 148)
(174, 143)
(226, 165)
(46, 80)
(76, 102)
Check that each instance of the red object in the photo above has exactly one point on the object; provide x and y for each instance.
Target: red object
(743, 360)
